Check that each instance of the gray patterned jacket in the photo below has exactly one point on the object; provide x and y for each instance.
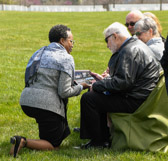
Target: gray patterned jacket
(49, 87)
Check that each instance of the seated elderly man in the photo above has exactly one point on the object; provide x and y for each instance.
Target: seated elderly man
(131, 19)
(147, 31)
(133, 74)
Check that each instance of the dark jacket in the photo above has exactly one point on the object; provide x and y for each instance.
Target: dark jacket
(164, 62)
(133, 71)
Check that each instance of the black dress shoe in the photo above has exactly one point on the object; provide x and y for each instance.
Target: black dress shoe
(92, 144)
(16, 140)
(87, 145)
(107, 144)
(76, 129)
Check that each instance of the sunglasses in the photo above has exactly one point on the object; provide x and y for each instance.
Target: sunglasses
(106, 39)
(131, 24)
(139, 33)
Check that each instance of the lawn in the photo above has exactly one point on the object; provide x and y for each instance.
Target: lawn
(21, 34)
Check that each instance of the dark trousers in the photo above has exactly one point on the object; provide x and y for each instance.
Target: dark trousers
(94, 108)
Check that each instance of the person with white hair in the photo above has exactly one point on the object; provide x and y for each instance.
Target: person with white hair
(146, 30)
(133, 74)
(131, 19)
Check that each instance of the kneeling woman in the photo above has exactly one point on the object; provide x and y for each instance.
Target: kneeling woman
(49, 80)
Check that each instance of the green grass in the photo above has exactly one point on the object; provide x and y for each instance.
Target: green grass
(21, 34)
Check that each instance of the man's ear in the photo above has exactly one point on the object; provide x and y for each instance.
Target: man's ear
(115, 35)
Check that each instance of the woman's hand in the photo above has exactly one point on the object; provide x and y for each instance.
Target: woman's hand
(85, 85)
(96, 76)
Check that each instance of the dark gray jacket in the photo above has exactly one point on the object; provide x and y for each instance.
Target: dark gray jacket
(133, 71)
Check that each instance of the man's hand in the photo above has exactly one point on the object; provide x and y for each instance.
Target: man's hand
(105, 73)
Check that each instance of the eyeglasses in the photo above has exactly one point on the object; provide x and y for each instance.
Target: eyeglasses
(131, 24)
(138, 33)
(106, 39)
(72, 41)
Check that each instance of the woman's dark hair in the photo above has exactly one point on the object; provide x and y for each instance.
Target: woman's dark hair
(57, 32)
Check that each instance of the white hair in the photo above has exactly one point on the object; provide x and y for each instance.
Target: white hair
(145, 24)
(117, 28)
